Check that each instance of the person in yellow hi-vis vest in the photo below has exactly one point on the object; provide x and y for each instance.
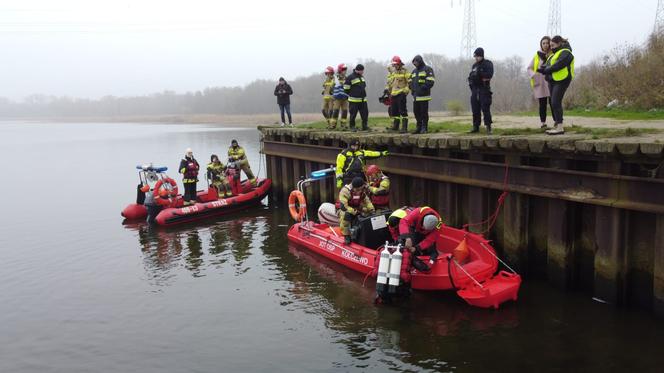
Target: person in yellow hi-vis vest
(538, 82)
(559, 72)
(237, 154)
(328, 102)
(350, 162)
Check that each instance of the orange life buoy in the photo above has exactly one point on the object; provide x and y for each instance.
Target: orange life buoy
(169, 198)
(297, 213)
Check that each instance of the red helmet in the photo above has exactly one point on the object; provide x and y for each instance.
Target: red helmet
(396, 60)
(329, 70)
(342, 67)
(372, 170)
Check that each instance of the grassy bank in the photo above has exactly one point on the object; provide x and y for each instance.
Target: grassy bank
(462, 128)
(619, 114)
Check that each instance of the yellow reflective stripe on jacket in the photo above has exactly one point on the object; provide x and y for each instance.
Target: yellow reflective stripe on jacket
(357, 99)
(423, 98)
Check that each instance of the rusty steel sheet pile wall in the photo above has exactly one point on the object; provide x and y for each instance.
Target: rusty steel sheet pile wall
(583, 214)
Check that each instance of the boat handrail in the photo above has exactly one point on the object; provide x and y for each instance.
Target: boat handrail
(496, 256)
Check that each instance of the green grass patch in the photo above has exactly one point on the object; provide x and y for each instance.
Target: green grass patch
(382, 124)
(455, 127)
(620, 114)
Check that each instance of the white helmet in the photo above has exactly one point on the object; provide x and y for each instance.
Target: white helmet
(430, 222)
(188, 151)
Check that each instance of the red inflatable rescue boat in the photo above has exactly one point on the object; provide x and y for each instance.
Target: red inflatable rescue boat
(474, 277)
(157, 194)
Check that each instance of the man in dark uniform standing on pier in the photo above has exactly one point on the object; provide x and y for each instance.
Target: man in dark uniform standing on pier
(479, 81)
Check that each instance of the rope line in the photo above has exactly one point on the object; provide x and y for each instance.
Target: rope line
(491, 220)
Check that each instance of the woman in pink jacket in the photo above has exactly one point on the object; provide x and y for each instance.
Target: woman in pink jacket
(538, 84)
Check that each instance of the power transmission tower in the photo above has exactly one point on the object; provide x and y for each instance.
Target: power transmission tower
(554, 18)
(468, 36)
(659, 18)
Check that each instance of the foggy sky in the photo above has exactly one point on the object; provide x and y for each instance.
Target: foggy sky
(97, 47)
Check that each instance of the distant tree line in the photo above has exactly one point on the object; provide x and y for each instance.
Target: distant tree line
(510, 86)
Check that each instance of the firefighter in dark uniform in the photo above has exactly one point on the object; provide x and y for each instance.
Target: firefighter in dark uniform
(479, 81)
(356, 88)
(350, 162)
(422, 80)
(189, 169)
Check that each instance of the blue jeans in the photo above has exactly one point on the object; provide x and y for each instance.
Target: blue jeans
(287, 109)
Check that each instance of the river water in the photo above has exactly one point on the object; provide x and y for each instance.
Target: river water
(81, 292)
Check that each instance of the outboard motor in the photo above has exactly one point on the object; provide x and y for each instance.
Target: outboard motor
(327, 214)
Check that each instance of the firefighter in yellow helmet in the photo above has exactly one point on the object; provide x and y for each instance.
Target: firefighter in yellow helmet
(350, 162)
(398, 86)
(340, 103)
(328, 87)
(237, 154)
(354, 201)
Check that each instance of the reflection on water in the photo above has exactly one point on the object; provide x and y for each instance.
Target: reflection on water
(195, 248)
(429, 332)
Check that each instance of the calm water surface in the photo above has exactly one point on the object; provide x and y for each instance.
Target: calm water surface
(81, 292)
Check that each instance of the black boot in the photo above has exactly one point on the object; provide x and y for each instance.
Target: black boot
(365, 126)
(475, 129)
(395, 125)
(404, 125)
(425, 127)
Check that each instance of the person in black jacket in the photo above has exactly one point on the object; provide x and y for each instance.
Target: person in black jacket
(421, 82)
(283, 91)
(189, 169)
(356, 88)
(479, 81)
(559, 72)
